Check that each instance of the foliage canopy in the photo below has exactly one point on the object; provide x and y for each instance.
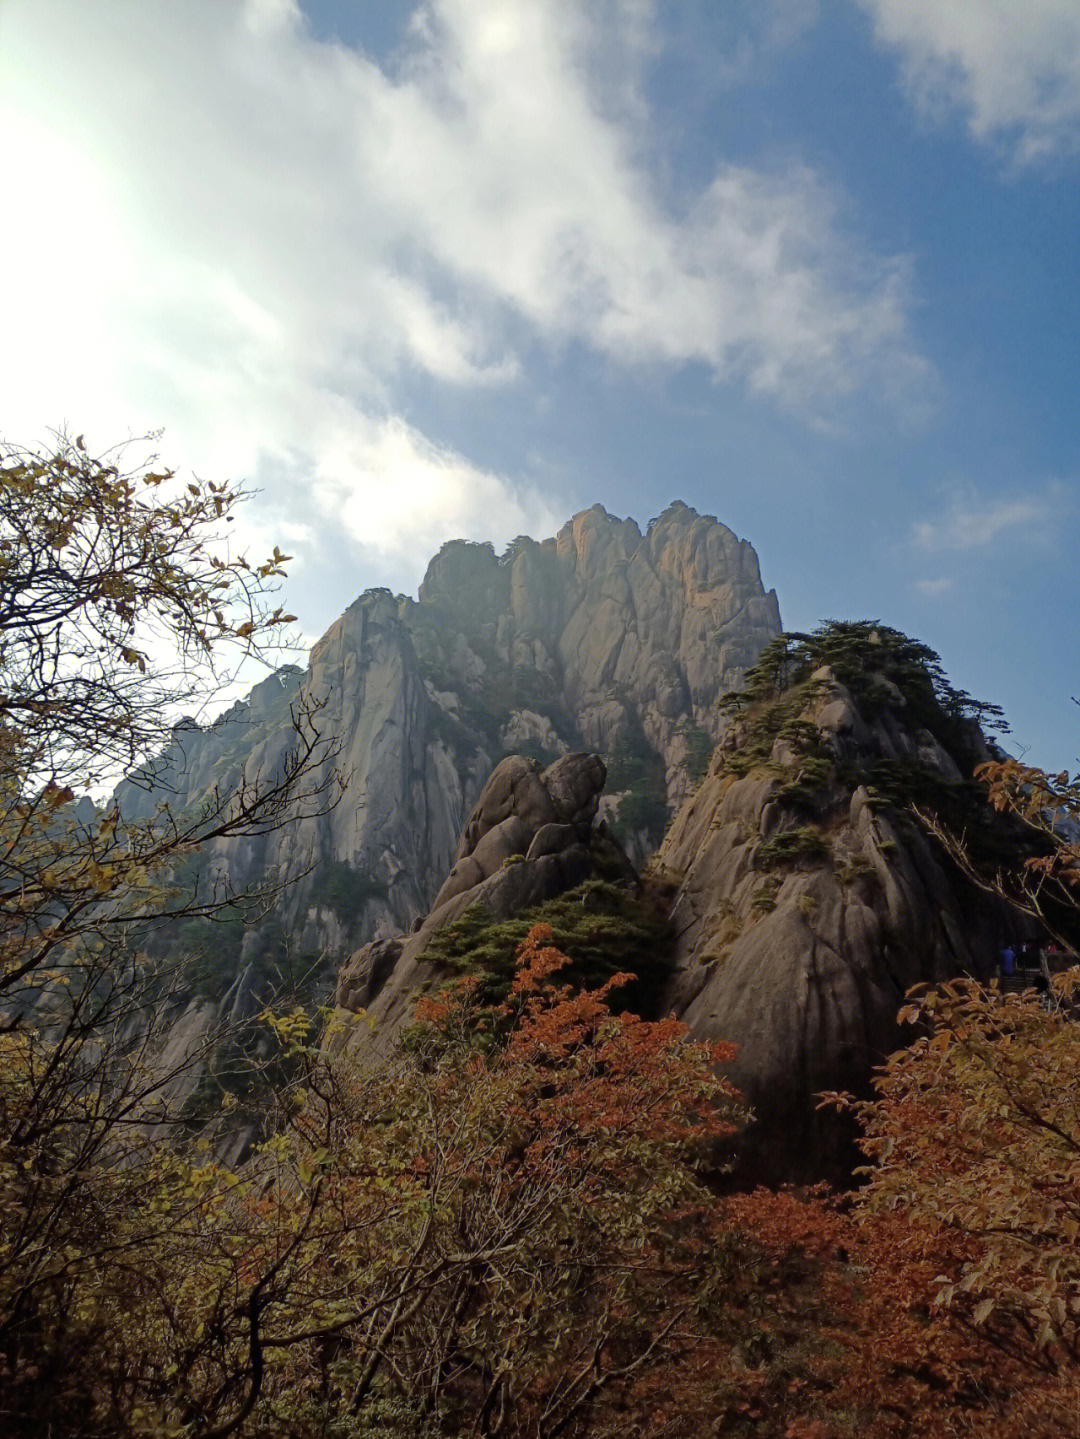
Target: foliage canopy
(868, 657)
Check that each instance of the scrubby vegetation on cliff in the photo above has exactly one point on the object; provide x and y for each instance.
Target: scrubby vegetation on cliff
(867, 657)
(934, 732)
(602, 928)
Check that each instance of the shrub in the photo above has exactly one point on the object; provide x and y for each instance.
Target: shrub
(790, 846)
(601, 927)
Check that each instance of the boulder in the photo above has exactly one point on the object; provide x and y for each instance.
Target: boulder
(550, 839)
(513, 867)
(365, 971)
(466, 874)
(502, 842)
(513, 788)
(575, 784)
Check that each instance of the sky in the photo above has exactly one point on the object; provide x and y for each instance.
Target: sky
(461, 268)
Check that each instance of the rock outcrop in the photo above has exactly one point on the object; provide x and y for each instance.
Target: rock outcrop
(612, 636)
(810, 900)
(601, 638)
(532, 835)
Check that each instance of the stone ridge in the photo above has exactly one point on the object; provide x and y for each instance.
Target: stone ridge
(678, 608)
(808, 904)
(601, 638)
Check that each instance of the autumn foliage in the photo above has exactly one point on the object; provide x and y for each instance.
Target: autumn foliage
(942, 1296)
(549, 1246)
(515, 1225)
(503, 1231)
(509, 1229)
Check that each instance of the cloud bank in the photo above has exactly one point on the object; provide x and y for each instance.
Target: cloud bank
(1011, 66)
(263, 241)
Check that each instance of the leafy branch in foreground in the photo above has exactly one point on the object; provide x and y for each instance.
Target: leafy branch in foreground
(975, 1131)
(550, 1229)
(117, 601)
(114, 606)
(1044, 884)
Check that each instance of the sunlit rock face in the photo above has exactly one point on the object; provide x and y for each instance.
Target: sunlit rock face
(602, 639)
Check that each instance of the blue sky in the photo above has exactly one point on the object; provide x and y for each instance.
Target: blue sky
(464, 267)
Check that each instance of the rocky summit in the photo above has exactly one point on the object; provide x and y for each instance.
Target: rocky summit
(604, 639)
(810, 897)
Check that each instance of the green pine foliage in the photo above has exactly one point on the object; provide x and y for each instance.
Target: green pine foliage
(346, 890)
(790, 846)
(867, 657)
(602, 927)
(636, 771)
(699, 749)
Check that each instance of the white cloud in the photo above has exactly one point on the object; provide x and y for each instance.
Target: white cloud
(433, 494)
(1012, 66)
(933, 588)
(972, 522)
(256, 239)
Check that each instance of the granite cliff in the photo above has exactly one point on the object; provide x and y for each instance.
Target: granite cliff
(602, 638)
(810, 897)
(799, 894)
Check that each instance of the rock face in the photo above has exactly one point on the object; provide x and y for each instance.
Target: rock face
(809, 903)
(531, 836)
(602, 638)
(616, 636)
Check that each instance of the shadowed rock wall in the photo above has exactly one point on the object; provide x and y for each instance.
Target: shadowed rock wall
(808, 904)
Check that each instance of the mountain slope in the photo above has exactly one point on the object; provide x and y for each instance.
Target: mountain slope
(601, 638)
(810, 898)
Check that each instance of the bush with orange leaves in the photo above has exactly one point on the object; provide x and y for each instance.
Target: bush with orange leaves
(943, 1296)
(501, 1231)
(552, 1217)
